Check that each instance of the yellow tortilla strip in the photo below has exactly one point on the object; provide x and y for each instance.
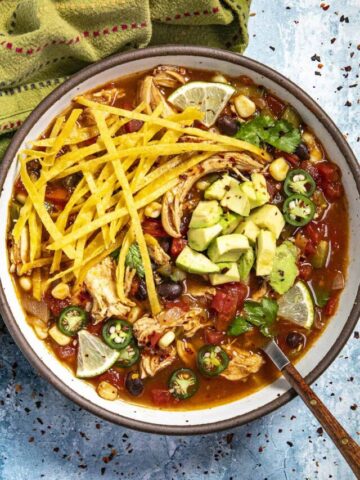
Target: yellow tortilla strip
(120, 269)
(40, 262)
(131, 207)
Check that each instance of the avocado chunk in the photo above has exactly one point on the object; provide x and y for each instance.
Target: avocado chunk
(249, 229)
(266, 248)
(262, 194)
(229, 221)
(200, 238)
(217, 190)
(228, 248)
(268, 217)
(285, 270)
(245, 264)
(194, 262)
(235, 200)
(229, 272)
(206, 214)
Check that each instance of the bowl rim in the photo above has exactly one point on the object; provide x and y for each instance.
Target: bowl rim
(77, 79)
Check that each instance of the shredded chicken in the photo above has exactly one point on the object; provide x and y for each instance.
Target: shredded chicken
(145, 327)
(101, 285)
(169, 76)
(151, 363)
(197, 290)
(242, 363)
(106, 96)
(20, 251)
(190, 321)
(173, 200)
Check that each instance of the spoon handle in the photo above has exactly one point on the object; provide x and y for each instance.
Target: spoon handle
(346, 445)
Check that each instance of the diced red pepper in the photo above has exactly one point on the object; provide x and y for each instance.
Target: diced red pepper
(214, 337)
(114, 377)
(57, 195)
(154, 338)
(331, 306)
(275, 105)
(177, 246)
(305, 271)
(161, 397)
(154, 227)
(67, 353)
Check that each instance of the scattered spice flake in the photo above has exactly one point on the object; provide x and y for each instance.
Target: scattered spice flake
(348, 104)
(333, 40)
(320, 431)
(272, 48)
(252, 14)
(353, 407)
(18, 388)
(31, 439)
(348, 68)
(320, 65)
(344, 19)
(318, 74)
(229, 438)
(324, 6)
(357, 334)
(316, 58)
(290, 444)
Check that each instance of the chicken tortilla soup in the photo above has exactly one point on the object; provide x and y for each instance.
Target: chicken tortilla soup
(166, 225)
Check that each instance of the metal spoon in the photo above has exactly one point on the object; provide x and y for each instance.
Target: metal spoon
(349, 449)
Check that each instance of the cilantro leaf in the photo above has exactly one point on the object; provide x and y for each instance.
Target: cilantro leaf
(280, 134)
(262, 314)
(238, 326)
(134, 260)
(115, 254)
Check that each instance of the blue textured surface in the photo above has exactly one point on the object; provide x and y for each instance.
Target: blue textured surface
(43, 435)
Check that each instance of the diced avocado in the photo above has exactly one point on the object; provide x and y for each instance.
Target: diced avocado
(229, 272)
(229, 221)
(285, 270)
(217, 190)
(236, 201)
(249, 229)
(206, 214)
(262, 194)
(228, 248)
(268, 217)
(194, 262)
(249, 191)
(245, 264)
(266, 248)
(200, 238)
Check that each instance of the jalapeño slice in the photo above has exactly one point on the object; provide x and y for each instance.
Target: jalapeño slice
(212, 360)
(128, 356)
(183, 383)
(299, 181)
(298, 210)
(71, 320)
(117, 333)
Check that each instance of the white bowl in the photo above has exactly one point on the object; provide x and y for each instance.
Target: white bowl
(316, 360)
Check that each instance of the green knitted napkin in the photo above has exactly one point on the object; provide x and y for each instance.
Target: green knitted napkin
(42, 42)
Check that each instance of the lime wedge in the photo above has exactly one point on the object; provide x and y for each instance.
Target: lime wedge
(297, 306)
(94, 356)
(208, 97)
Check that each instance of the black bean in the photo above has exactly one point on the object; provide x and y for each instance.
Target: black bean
(134, 384)
(302, 151)
(170, 290)
(141, 292)
(165, 243)
(295, 340)
(227, 125)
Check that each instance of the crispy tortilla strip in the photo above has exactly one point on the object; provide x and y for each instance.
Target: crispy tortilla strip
(120, 270)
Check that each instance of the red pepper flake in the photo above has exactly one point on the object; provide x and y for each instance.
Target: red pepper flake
(324, 6)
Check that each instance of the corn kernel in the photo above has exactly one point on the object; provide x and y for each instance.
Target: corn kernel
(315, 152)
(21, 198)
(279, 168)
(25, 283)
(40, 328)
(59, 337)
(166, 339)
(134, 314)
(107, 391)
(61, 291)
(244, 106)
(153, 210)
(219, 78)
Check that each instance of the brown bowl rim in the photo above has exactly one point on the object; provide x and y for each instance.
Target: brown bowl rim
(120, 59)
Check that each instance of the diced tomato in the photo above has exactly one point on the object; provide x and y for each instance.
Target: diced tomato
(89, 141)
(161, 396)
(95, 329)
(68, 352)
(133, 126)
(293, 159)
(305, 271)
(19, 187)
(114, 377)
(126, 105)
(313, 233)
(329, 172)
(310, 168)
(276, 106)
(153, 227)
(228, 299)
(177, 246)
(154, 338)
(179, 303)
(333, 191)
(214, 337)
(55, 305)
(310, 248)
(331, 306)
(57, 195)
